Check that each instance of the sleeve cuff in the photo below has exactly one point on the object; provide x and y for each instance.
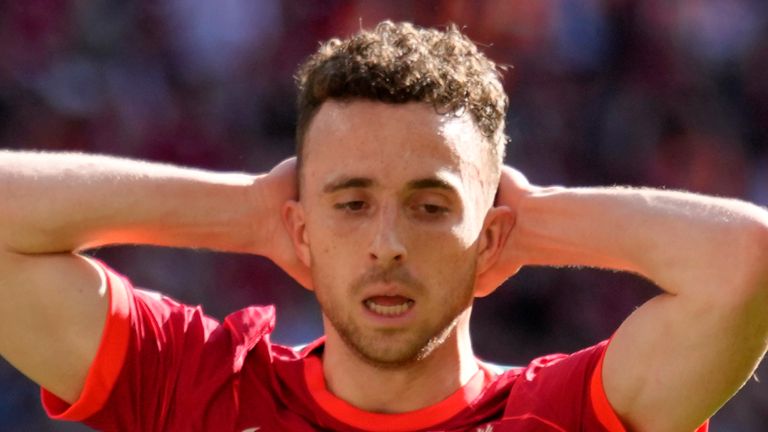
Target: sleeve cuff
(603, 409)
(109, 359)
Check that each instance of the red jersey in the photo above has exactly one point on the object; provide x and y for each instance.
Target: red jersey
(165, 366)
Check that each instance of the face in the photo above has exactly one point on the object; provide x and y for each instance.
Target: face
(393, 224)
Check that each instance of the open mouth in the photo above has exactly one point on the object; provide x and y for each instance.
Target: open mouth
(389, 306)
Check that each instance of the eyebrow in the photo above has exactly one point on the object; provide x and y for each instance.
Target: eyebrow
(348, 183)
(431, 183)
(365, 182)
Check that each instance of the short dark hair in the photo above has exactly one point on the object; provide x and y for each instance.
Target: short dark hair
(400, 63)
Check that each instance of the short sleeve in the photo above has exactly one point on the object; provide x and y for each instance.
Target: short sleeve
(562, 392)
(108, 360)
(162, 365)
(554, 393)
(601, 407)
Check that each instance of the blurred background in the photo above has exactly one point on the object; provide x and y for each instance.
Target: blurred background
(665, 93)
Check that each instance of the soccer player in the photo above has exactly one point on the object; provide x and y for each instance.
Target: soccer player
(396, 212)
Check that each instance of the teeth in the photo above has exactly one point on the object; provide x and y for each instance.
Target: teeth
(388, 310)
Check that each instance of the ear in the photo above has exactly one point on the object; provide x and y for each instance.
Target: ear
(493, 238)
(294, 221)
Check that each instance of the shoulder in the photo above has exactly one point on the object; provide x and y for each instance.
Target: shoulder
(159, 355)
(575, 366)
(550, 367)
(555, 389)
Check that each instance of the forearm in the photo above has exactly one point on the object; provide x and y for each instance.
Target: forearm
(65, 202)
(679, 240)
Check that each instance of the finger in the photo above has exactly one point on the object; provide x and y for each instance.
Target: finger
(514, 175)
(512, 185)
(283, 181)
(288, 164)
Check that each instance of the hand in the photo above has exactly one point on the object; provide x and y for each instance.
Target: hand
(513, 187)
(274, 242)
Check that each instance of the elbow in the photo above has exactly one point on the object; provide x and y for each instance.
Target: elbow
(760, 235)
(754, 261)
(762, 247)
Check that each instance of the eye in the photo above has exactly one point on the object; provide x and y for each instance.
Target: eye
(433, 209)
(351, 206)
(429, 211)
(429, 206)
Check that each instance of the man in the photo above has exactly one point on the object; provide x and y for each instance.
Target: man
(402, 214)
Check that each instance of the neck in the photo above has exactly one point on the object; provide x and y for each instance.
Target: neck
(407, 388)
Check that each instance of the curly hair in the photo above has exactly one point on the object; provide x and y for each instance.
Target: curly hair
(400, 63)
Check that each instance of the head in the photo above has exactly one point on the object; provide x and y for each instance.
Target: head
(399, 63)
(400, 141)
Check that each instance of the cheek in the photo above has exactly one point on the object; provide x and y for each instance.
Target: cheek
(331, 244)
(333, 256)
(445, 253)
(464, 236)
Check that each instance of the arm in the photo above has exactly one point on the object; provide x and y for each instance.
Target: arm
(52, 301)
(683, 354)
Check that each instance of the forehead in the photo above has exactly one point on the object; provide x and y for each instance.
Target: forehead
(395, 142)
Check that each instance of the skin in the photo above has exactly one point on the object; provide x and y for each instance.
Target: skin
(707, 321)
(409, 220)
(691, 347)
(53, 298)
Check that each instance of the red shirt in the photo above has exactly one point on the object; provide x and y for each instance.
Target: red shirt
(165, 366)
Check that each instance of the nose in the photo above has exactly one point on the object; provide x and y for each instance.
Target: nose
(386, 246)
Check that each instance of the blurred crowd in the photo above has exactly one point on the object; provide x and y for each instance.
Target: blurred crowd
(664, 93)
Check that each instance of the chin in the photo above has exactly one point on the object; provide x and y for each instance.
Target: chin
(400, 355)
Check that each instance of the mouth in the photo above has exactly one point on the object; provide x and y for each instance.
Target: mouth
(388, 306)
